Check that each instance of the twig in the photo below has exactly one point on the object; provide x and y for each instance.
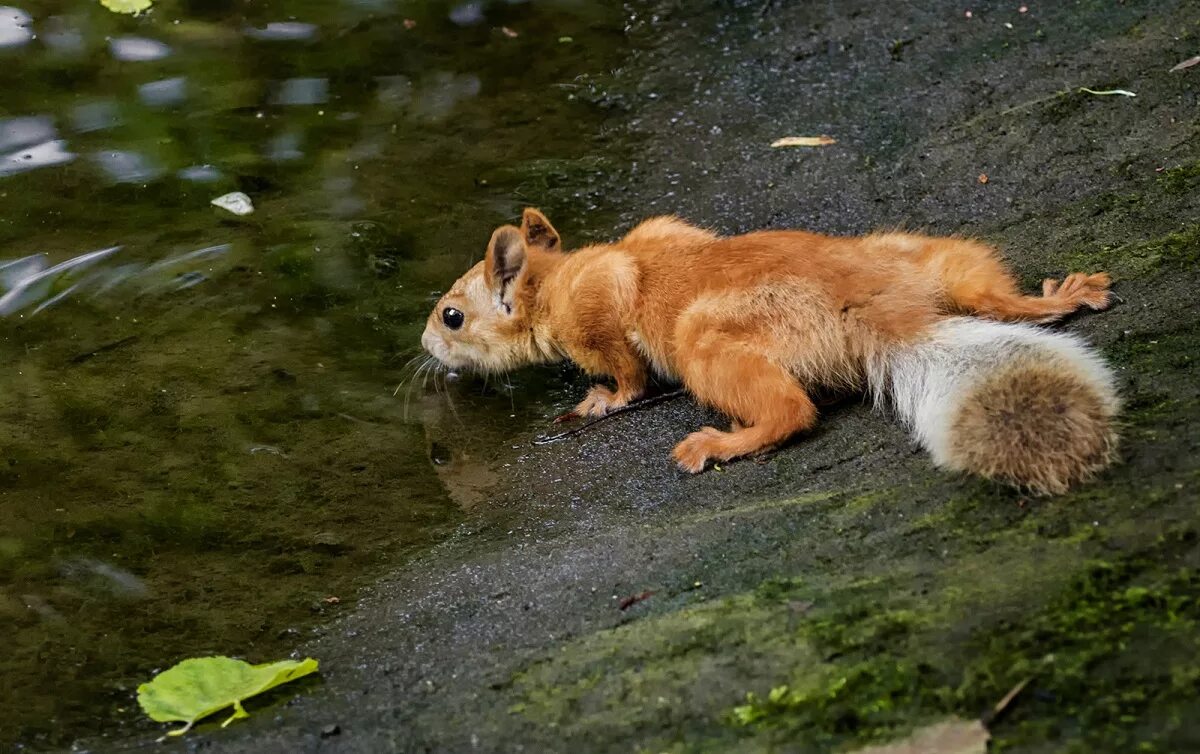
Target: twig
(1002, 706)
(1014, 109)
(629, 602)
(80, 358)
(648, 402)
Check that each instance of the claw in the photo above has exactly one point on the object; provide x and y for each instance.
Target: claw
(567, 417)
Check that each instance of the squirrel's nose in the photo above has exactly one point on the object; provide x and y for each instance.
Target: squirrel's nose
(433, 343)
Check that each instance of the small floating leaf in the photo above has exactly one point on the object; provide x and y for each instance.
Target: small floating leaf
(1108, 92)
(133, 7)
(804, 141)
(236, 202)
(197, 687)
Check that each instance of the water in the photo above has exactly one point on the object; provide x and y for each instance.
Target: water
(202, 449)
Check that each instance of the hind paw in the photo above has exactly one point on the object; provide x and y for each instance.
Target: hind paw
(697, 448)
(1081, 289)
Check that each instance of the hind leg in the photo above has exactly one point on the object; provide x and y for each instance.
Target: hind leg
(765, 401)
(977, 282)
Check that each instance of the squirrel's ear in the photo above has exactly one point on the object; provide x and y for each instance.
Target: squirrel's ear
(538, 232)
(504, 260)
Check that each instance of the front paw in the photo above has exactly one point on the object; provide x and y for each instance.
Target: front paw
(600, 401)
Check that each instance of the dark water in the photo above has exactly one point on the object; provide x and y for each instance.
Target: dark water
(201, 446)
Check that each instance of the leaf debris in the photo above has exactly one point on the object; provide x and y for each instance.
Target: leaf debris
(132, 7)
(952, 736)
(1108, 92)
(199, 686)
(1186, 64)
(803, 141)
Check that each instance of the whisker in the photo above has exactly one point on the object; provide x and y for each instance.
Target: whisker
(421, 370)
(447, 393)
(404, 369)
(401, 354)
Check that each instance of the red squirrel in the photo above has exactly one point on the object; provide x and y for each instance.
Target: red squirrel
(751, 324)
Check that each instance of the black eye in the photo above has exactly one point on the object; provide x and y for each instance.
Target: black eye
(452, 317)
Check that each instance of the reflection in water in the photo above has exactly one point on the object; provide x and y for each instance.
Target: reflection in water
(199, 174)
(42, 155)
(122, 166)
(440, 94)
(283, 31)
(285, 147)
(14, 27)
(164, 93)
(95, 116)
(40, 287)
(114, 580)
(26, 131)
(467, 14)
(28, 283)
(198, 434)
(62, 36)
(138, 49)
(307, 91)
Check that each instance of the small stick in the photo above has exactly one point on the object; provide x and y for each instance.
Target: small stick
(631, 407)
(80, 358)
(629, 602)
(1002, 706)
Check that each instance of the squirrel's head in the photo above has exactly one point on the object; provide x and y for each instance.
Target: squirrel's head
(485, 321)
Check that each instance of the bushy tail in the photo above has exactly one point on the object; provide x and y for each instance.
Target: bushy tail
(1015, 403)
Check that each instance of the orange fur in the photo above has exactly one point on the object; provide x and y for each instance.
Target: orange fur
(750, 324)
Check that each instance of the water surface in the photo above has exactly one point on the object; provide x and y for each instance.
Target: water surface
(202, 449)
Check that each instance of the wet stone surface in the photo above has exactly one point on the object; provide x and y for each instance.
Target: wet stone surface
(881, 593)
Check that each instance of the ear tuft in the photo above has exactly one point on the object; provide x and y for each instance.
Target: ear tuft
(538, 232)
(505, 256)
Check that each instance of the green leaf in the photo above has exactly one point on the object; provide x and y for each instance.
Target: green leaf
(127, 6)
(200, 686)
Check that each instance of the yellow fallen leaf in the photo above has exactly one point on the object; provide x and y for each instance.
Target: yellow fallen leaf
(953, 736)
(804, 141)
(1186, 64)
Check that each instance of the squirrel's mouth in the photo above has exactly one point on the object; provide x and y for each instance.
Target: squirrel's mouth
(437, 347)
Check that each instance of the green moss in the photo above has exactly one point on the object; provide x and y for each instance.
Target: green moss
(1181, 180)
(766, 506)
(870, 701)
(1084, 650)
(1178, 250)
(1114, 658)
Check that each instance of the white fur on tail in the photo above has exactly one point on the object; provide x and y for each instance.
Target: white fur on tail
(926, 382)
